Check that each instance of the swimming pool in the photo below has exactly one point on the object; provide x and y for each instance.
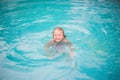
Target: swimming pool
(92, 26)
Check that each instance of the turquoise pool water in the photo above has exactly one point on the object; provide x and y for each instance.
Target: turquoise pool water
(93, 27)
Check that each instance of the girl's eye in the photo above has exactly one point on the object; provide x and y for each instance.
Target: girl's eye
(55, 34)
(59, 35)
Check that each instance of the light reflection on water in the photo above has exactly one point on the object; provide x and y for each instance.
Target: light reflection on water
(92, 26)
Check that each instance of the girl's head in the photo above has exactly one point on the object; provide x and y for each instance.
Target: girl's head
(58, 34)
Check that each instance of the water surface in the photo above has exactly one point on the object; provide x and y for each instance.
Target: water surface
(92, 26)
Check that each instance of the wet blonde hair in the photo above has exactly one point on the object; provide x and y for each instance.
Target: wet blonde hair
(59, 28)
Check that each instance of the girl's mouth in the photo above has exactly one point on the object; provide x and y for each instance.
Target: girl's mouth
(57, 39)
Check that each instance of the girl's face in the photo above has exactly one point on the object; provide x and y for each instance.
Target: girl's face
(58, 35)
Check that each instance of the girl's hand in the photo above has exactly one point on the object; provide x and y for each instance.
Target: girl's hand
(72, 54)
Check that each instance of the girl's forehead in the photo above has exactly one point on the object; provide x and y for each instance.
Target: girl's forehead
(58, 30)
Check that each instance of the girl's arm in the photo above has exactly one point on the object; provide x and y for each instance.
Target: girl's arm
(70, 47)
(48, 45)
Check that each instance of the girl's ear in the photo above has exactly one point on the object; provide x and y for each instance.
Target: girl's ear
(53, 34)
(65, 36)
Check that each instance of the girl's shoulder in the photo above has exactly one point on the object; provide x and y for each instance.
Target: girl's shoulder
(52, 41)
(67, 42)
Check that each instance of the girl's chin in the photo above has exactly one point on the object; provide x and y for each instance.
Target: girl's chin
(57, 41)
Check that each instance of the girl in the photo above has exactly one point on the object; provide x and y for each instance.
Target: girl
(59, 42)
